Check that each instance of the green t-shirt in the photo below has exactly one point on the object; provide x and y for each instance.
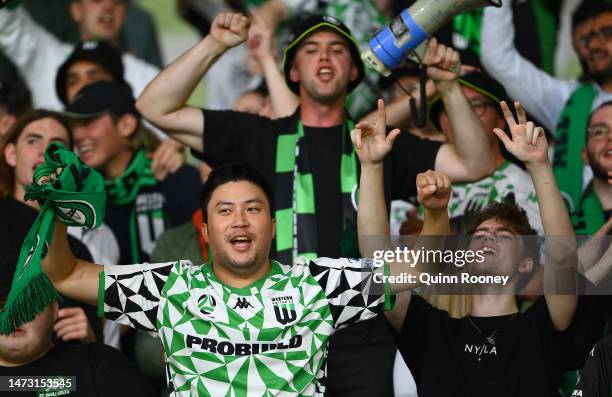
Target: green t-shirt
(265, 339)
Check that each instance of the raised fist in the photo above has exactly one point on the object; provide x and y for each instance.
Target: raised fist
(230, 29)
(443, 62)
(433, 190)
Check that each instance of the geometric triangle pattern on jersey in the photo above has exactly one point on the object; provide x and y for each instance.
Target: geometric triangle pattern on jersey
(348, 289)
(132, 293)
(269, 338)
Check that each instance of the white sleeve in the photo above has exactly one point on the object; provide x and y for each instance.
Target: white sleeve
(296, 7)
(542, 95)
(351, 290)
(526, 198)
(36, 53)
(138, 74)
(130, 294)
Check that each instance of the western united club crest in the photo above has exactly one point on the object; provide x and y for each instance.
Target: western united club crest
(284, 309)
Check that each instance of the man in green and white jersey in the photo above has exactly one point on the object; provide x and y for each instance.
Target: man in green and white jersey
(243, 324)
(509, 182)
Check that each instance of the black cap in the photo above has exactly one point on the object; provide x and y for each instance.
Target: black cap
(97, 51)
(15, 97)
(102, 97)
(589, 9)
(478, 81)
(306, 27)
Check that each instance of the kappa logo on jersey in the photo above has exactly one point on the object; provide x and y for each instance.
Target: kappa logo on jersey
(243, 303)
(206, 304)
(284, 309)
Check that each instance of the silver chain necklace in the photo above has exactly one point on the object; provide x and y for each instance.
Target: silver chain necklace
(489, 338)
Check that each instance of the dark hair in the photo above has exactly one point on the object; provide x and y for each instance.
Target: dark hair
(603, 105)
(589, 9)
(514, 218)
(15, 97)
(7, 173)
(234, 172)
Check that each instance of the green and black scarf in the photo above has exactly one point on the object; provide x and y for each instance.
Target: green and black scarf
(66, 188)
(568, 164)
(123, 191)
(589, 216)
(295, 197)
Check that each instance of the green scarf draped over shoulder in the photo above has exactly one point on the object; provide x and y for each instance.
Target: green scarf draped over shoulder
(570, 137)
(124, 191)
(66, 188)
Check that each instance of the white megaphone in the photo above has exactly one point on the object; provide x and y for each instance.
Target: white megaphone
(408, 32)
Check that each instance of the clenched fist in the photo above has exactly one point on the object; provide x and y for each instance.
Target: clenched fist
(433, 190)
(230, 29)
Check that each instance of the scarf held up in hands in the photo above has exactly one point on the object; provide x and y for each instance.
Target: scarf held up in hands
(66, 188)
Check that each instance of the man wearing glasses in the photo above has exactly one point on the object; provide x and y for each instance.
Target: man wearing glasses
(562, 106)
(509, 182)
(595, 205)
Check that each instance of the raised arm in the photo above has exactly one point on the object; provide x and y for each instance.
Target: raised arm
(399, 113)
(35, 52)
(372, 145)
(261, 47)
(595, 255)
(469, 157)
(528, 144)
(433, 190)
(72, 277)
(541, 94)
(164, 101)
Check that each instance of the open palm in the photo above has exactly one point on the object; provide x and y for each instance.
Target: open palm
(371, 142)
(527, 142)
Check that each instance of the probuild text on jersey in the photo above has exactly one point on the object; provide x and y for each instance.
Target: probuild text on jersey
(240, 349)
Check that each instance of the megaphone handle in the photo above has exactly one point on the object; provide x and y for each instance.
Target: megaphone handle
(420, 115)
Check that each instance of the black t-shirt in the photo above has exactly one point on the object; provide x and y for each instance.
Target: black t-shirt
(178, 196)
(234, 136)
(100, 370)
(596, 378)
(16, 220)
(449, 357)
(360, 361)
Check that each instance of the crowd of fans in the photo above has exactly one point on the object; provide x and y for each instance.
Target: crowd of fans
(290, 101)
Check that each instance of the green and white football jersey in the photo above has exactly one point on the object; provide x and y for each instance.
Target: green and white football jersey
(266, 339)
(508, 182)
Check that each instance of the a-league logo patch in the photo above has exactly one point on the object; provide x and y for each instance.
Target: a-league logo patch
(284, 309)
(206, 304)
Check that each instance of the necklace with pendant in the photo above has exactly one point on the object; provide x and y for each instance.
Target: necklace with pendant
(490, 339)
